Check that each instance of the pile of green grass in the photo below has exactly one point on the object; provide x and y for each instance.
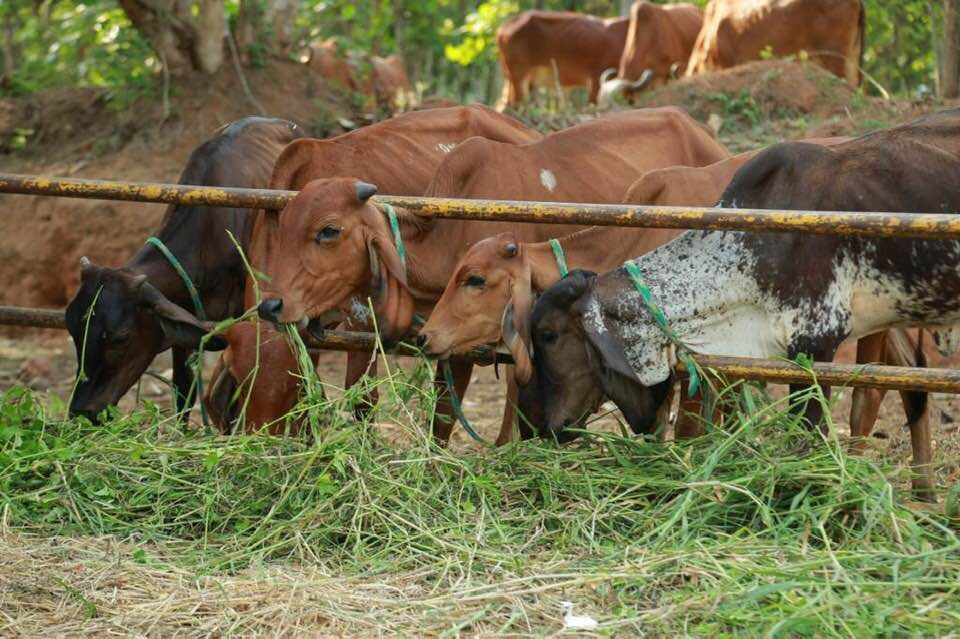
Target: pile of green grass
(758, 528)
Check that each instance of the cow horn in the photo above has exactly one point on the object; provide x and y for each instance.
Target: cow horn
(365, 191)
(645, 78)
(606, 75)
(84, 263)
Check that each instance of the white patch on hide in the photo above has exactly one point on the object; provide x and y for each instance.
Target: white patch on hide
(946, 339)
(548, 179)
(446, 147)
(359, 309)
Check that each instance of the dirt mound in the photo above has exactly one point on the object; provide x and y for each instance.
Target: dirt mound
(78, 132)
(773, 88)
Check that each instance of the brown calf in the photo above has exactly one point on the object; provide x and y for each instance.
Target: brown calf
(401, 154)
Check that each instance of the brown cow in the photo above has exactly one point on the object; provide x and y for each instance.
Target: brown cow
(659, 41)
(593, 162)
(581, 46)
(401, 154)
(735, 32)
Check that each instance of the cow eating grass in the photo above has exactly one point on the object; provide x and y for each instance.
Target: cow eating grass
(764, 294)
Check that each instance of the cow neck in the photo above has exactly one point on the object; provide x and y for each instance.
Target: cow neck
(597, 248)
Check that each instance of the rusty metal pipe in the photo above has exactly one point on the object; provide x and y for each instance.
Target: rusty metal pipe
(933, 380)
(907, 225)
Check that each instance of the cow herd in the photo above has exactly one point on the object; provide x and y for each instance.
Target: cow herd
(335, 256)
(618, 57)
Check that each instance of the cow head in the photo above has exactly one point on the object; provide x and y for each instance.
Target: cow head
(332, 244)
(579, 361)
(119, 322)
(492, 275)
(613, 88)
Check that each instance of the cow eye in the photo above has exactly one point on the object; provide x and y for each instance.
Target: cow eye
(475, 281)
(548, 337)
(328, 233)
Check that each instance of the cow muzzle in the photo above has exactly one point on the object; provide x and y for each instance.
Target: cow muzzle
(269, 309)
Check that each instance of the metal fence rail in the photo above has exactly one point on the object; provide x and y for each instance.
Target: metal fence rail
(905, 225)
(933, 380)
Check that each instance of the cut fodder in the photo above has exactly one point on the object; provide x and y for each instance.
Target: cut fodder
(758, 523)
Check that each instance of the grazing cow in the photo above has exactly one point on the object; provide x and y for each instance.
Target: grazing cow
(658, 45)
(593, 162)
(735, 32)
(401, 154)
(765, 294)
(121, 318)
(572, 49)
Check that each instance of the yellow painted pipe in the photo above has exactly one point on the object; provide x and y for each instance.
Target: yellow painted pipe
(907, 225)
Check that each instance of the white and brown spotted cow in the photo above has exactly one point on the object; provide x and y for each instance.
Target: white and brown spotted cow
(763, 294)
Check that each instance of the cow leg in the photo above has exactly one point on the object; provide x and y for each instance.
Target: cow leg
(183, 382)
(219, 395)
(358, 365)
(443, 418)
(866, 401)
(509, 413)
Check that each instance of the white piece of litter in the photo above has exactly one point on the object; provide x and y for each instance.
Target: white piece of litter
(576, 622)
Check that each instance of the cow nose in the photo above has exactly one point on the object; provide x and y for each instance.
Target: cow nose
(269, 309)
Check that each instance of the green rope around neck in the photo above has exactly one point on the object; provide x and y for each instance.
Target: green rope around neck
(445, 365)
(661, 319)
(195, 361)
(178, 267)
(559, 256)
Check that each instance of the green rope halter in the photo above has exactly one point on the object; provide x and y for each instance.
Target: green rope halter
(559, 256)
(661, 319)
(445, 365)
(194, 361)
(178, 267)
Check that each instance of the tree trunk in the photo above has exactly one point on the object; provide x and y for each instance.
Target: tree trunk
(399, 27)
(950, 59)
(186, 41)
(625, 7)
(8, 51)
(265, 28)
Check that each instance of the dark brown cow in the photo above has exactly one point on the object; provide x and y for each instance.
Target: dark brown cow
(138, 310)
(571, 49)
(658, 45)
(735, 32)
(767, 294)
(401, 154)
(593, 162)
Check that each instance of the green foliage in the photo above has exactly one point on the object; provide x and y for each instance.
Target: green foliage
(900, 38)
(73, 44)
(478, 31)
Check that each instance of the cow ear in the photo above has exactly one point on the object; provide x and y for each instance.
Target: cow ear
(180, 328)
(392, 300)
(519, 346)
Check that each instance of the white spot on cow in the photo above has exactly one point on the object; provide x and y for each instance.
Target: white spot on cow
(548, 179)
(446, 147)
(359, 310)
